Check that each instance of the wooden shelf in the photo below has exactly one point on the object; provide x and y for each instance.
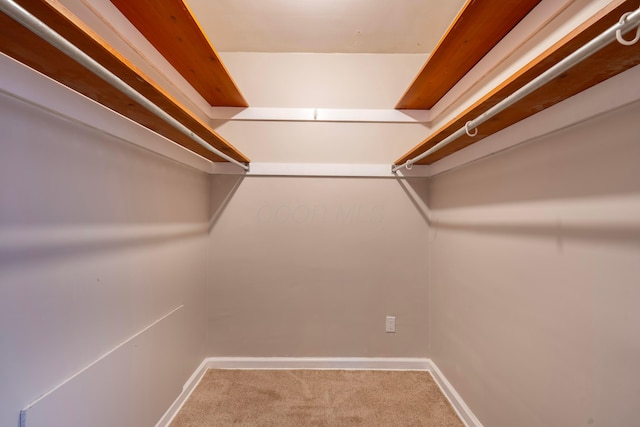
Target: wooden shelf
(479, 26)
(170, 26)
(23, 45)
(611, 60)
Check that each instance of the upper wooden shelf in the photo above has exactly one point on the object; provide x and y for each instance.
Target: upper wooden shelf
(479, 26)
(170, 26)
(611, 60)
(23, 45)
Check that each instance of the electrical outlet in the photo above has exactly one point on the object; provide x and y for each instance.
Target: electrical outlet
(391, 324)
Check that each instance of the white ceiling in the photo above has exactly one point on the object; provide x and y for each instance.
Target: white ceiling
(325, 26)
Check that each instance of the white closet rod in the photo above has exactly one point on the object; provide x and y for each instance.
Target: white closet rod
(38, 27)
(627, 23)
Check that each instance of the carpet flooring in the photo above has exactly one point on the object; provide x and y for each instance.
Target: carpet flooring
(316, 398)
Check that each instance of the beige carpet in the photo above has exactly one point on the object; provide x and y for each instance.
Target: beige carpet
(316, 398)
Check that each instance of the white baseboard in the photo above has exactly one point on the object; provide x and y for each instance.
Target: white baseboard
(335, 363)
(367, 363)
(461, 408)
(187, 389)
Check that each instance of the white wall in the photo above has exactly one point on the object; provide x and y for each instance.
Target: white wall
(303, 80)
(311, 267)
(98, 240)
(322, 80)
(534, 267)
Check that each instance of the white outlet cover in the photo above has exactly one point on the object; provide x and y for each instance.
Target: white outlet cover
(390, 324)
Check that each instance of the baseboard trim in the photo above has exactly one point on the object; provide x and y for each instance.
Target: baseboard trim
(187, 389)
(461, 408)
(332, 363)
(347, 363)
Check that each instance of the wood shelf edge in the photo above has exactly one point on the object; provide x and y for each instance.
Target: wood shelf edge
(611, 60)
(26, 47)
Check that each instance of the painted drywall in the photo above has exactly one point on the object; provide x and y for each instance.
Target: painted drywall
(98, 240)
(308, 142)
(533, 275)
(322, 80)
(304, 80)
(311, 267)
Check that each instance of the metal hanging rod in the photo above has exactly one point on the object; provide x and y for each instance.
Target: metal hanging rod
(38, 27)
(627, 22)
